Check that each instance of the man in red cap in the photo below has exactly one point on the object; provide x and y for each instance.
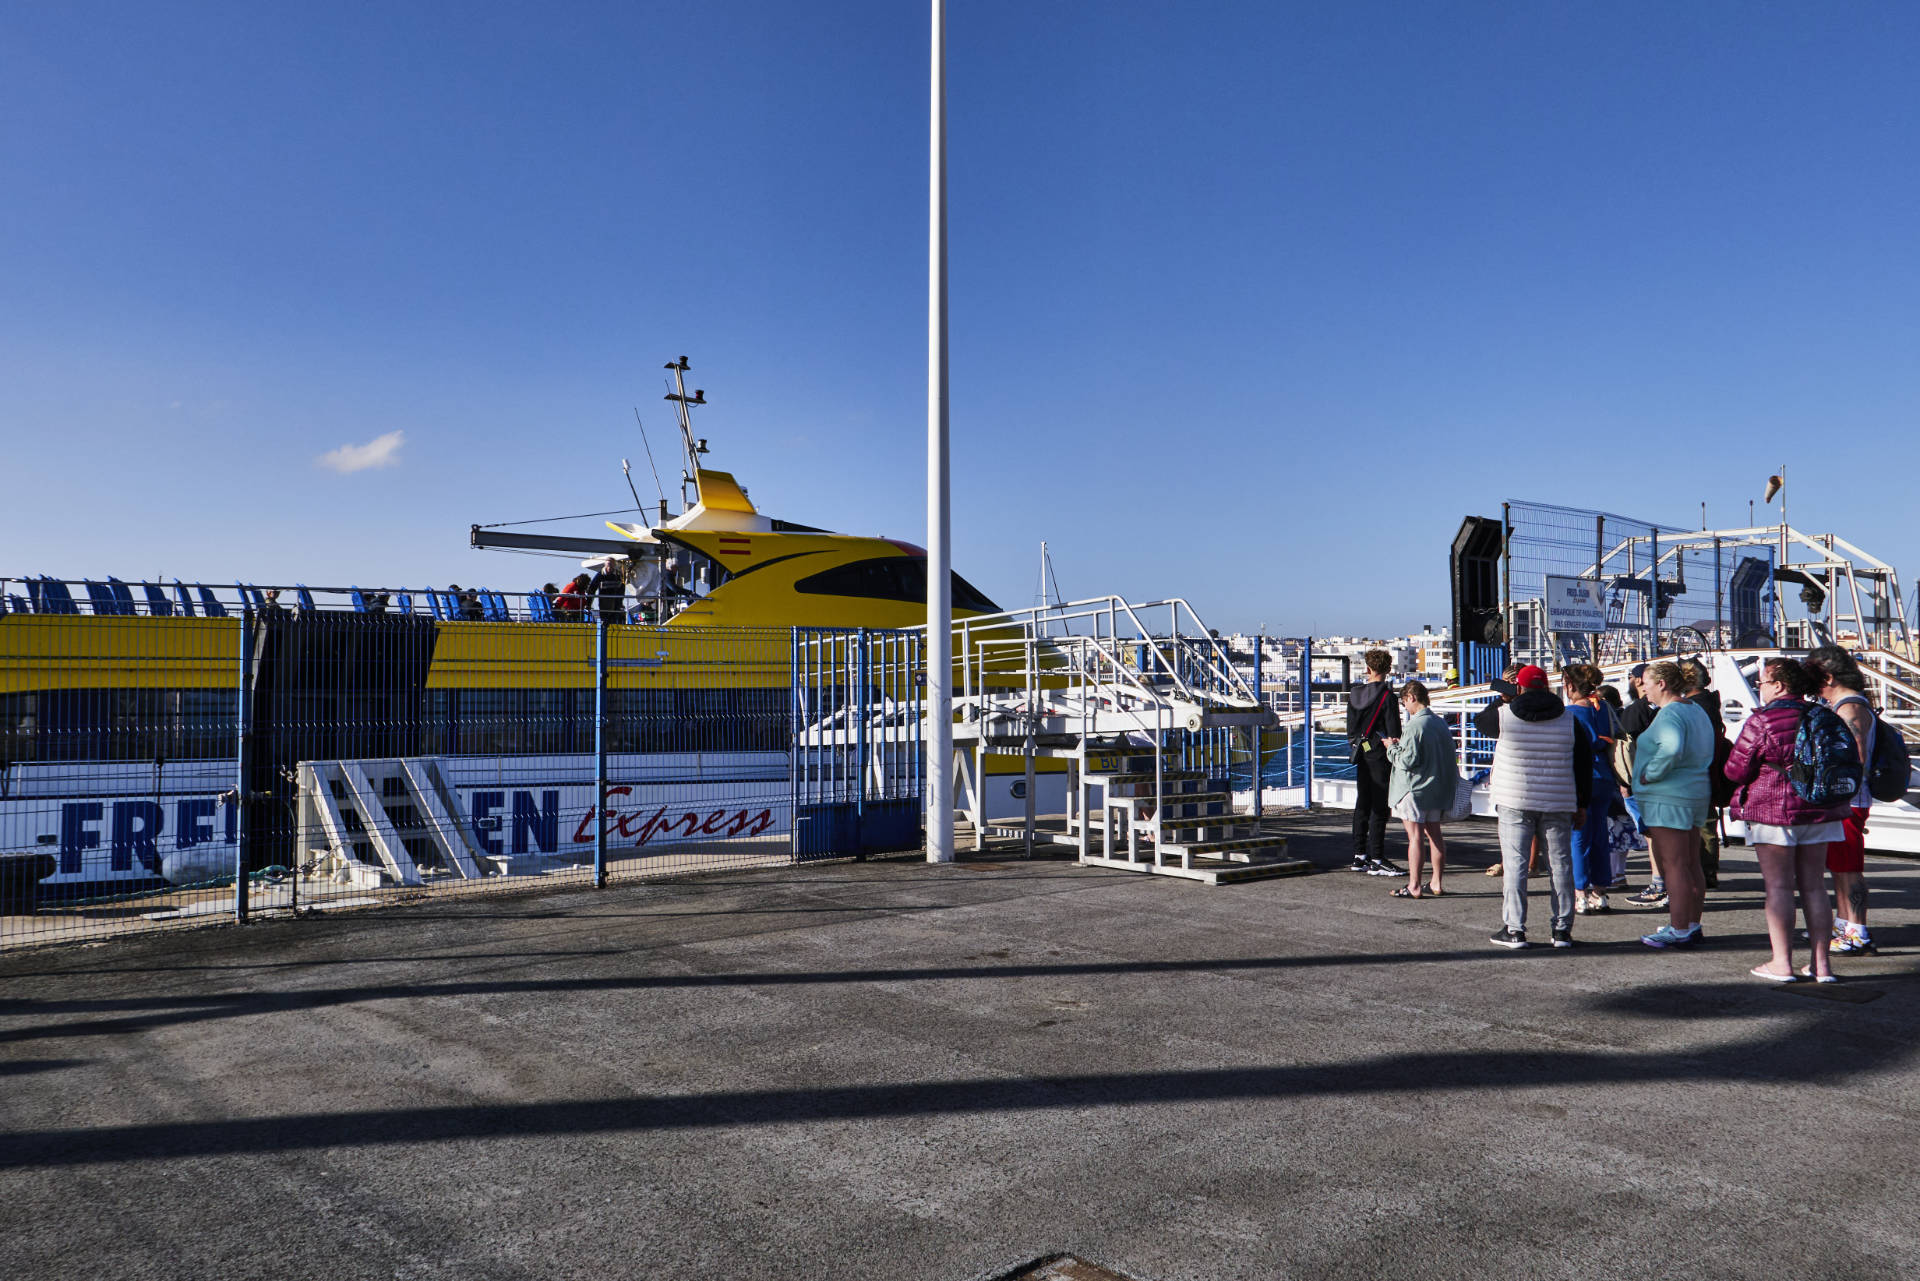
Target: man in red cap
(1541, 784)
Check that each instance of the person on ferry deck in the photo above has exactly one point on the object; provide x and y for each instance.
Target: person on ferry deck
(1373, 717)
(1789, 835)
(610, 590)
(568, 605)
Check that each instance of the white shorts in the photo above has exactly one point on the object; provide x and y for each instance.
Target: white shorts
(1798, 834)
(1404, 809)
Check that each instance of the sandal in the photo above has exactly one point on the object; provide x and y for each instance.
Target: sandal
(1433, 893)
(1806, 972)
(1762, 972)
(1404, 892)
(1496, 870)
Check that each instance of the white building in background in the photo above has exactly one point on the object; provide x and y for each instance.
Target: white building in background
(1423, 656)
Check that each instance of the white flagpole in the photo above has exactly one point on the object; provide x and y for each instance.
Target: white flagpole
(939, 499)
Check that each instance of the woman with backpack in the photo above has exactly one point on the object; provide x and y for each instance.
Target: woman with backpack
(1671, 760)
(1789, 833)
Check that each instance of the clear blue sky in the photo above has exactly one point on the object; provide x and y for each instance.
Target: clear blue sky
(1251, 302)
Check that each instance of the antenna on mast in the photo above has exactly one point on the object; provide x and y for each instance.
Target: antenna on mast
(693, 448)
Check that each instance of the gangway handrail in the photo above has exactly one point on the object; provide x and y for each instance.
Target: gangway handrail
(1111, 608)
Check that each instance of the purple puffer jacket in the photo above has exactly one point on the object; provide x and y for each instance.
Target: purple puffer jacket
(1761, 754)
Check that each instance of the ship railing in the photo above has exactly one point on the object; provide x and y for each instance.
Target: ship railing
(172, 598)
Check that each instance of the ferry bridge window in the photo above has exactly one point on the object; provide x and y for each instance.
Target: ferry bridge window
(897, 578)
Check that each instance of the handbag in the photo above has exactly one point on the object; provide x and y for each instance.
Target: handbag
(1622, 760)
(1462, 806)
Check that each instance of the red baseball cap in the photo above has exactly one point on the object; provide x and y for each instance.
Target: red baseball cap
(1530, 676)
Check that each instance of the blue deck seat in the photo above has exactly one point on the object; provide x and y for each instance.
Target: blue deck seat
(359, 599)
(540, 607)
(495, 606)
(100, 596)
(159, 604)
(402, 603)
(21, 605)
(185, 598)
(210, 604)
(305, 597)
(122, 596)
(433, 603)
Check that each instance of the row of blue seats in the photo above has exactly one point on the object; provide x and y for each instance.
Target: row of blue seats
(47, 595)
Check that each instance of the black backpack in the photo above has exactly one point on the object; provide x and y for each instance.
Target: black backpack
(1891, 768)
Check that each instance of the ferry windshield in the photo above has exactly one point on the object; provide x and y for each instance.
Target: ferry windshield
(896, 578)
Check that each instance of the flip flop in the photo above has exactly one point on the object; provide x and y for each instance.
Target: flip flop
(1762, 972)
(1806, 972)
(1404, 892)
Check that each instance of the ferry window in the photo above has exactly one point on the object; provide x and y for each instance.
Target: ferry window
(898, 578)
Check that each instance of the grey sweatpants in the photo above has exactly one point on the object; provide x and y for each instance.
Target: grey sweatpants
(1517, 828)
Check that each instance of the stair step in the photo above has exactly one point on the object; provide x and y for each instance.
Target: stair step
(1204, 820)
(1235, 845)
(1172, 798)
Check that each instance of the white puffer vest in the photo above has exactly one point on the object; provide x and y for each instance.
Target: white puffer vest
(1533, 764)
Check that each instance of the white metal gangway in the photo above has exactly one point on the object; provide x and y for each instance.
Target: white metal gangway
(1140, 702)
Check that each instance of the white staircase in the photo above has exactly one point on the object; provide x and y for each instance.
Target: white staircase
(1144, 720)
(381, 822)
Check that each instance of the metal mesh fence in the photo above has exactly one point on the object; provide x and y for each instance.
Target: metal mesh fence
(157, 768)
(1660, 589)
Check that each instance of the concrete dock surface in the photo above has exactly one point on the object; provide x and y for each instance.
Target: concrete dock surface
(891, 1070)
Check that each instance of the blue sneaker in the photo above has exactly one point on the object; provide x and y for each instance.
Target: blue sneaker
(1667, 937)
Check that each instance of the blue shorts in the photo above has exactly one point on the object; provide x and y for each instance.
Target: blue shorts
(1684, 815)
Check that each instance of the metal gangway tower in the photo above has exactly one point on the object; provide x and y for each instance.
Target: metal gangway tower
(1147, 713)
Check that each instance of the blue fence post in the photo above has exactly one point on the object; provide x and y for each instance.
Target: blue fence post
(1259, 731)
(865, 711)
(243, 763)
(600, 753)
(1306, 706)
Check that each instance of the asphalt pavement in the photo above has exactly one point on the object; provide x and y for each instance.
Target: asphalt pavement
(888, 1070)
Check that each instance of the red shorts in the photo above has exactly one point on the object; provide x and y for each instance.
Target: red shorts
(1850, 854)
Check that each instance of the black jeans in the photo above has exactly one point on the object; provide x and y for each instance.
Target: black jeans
(1369, 812)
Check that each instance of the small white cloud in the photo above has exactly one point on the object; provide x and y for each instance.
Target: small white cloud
(381, 451)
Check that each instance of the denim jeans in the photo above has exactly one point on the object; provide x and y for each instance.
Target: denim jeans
(1517, 830)
(1592, 844)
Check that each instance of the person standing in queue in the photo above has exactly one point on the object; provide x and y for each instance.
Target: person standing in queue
(1634, 719)
(1789, 834)
(1841, 686)
(1542, 782)
(1426, 774)
(1373, 717)
(1670, 765)
(1592, 841)
(1701, 694)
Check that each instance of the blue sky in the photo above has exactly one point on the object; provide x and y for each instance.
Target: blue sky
(1250, 303)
